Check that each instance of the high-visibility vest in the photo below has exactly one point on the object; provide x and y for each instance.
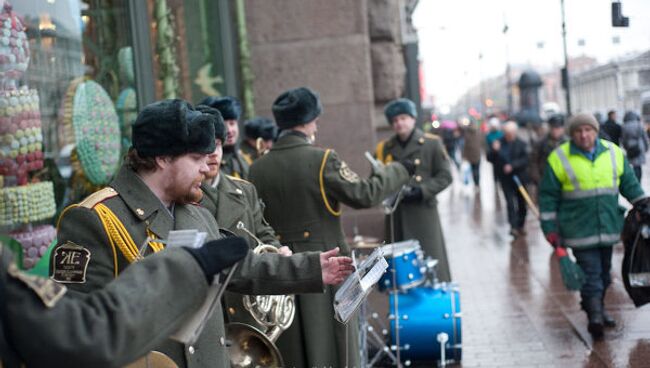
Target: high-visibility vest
(582, 178)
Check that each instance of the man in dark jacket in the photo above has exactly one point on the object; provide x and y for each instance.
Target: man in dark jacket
(510, 156)
(544, 147)
(611, 130)
(635, 141)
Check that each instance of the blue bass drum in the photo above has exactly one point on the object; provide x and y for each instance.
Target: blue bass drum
(425, 315)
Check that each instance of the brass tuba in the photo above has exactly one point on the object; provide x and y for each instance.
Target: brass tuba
(249, 346)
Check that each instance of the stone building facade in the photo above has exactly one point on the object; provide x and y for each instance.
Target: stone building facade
(351, 52)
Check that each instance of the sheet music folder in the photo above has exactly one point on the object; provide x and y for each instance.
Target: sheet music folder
(358, 285)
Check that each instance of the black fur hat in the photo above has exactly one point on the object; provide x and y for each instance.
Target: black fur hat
(219, 126)
(172, 128)
(229, 107)
(556, 121)
(398, 107)
(296, 107)
(261, 127)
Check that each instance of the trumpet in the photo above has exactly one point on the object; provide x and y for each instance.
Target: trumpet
(252, 347)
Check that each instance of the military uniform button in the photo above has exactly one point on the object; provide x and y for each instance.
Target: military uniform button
(222, 341)
(231, 310)
(191, 349)
(239, 191)
(306, 234)
(418, 178)
(139, 211)
(421, 140)
(417, 161)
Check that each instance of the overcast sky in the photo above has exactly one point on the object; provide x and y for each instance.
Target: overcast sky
(454, 32)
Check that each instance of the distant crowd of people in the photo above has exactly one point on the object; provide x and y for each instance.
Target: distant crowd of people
(577, 168)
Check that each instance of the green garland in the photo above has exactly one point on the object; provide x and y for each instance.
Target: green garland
(245, 62)
(166, 53)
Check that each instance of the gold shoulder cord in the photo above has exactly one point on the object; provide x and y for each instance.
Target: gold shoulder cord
(322, 186)
(247, 158)
(120, 238)
(379, 152)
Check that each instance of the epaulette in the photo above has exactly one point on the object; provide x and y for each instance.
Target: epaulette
(238, 179)
(99, 196)
(431, 136)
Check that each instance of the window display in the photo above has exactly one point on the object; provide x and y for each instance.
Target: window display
(66, 71)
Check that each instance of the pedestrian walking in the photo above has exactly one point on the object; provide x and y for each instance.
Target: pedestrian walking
(303, 187)
(494, 133)
(635, 141)
(545, 146)
(473, 142)
(509, 155)
(416, 217)
(611, 129)
(580, 210)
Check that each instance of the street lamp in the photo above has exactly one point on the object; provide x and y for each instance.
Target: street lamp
(565, 70)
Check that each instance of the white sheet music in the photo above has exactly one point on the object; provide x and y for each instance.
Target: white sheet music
(186, 238)
(358, 285)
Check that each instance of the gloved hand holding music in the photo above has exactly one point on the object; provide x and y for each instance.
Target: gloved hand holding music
(409, 165)
(335, 269)
(412, 193)
(217, 255)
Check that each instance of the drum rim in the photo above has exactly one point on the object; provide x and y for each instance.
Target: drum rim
(400, 248)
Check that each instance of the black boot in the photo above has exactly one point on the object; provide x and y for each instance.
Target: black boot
(608, 320)
(594, 309)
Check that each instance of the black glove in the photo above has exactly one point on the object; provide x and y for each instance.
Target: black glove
(412, 194)
(217, 255)
(409, 165)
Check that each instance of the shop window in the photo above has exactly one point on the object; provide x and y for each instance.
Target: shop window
(67, 100)
(191, 44)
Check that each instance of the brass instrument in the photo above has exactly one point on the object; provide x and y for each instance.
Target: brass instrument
(153, 360)
(259, 146)
(251, 347)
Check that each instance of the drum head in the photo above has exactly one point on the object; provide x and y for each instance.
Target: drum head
(400, 248)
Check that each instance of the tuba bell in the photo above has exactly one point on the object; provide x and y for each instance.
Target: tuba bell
(253, 347)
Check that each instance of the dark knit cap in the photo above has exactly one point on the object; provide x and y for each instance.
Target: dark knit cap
(398, 107)
(261, 127)
(296, 107)
(172, 128)
(219, 126)
(556, 121)
(229, 107)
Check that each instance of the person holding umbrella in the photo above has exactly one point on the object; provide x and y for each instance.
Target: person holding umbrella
(579, 208)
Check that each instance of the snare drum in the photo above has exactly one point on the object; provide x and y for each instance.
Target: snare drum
(406, 259)
(425, 313)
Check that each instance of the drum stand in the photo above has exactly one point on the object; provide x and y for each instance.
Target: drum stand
(389, 209)
(369, 336)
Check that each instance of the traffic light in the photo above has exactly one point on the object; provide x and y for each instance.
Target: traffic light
(618, 20)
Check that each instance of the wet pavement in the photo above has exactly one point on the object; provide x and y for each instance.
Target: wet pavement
(515, 309)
